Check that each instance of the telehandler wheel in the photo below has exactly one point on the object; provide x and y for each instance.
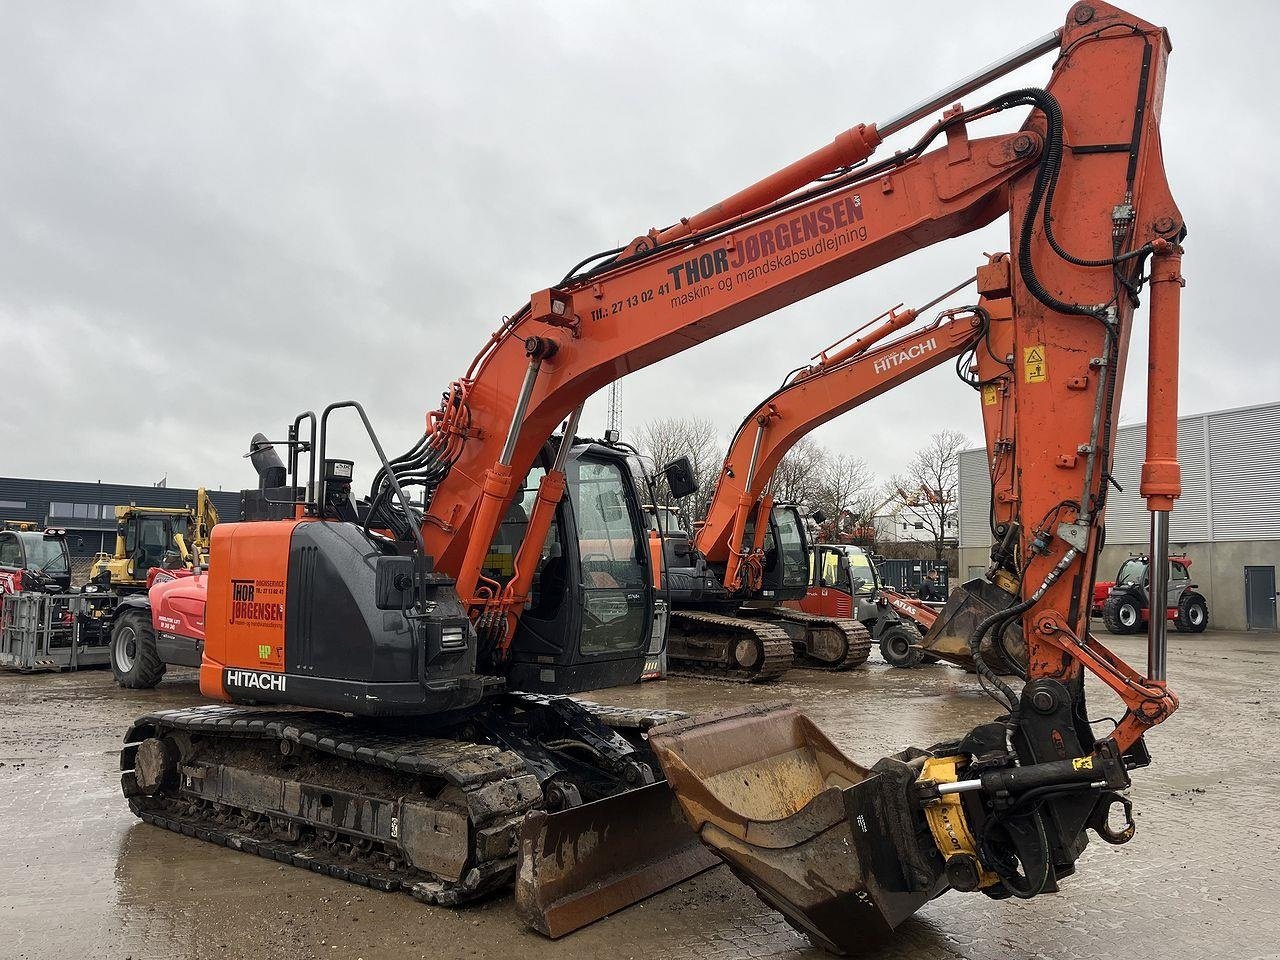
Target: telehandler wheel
(1122, 615)
(899, 646)
(1192, 615)
(134, 661)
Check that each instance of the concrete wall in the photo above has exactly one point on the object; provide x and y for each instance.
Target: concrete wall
(1217, 568)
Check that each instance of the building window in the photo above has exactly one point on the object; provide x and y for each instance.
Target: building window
(13, 505)
(75, 511)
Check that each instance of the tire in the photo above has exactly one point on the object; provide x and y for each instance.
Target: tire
(899, 646)
(134, 661)
(1121, 615)
(1192, 615)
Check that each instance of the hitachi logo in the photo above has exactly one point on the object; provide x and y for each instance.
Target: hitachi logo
(252, 680)
(899, 357)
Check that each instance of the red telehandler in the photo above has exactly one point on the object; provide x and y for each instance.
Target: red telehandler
(1124, 607)
(415, 766)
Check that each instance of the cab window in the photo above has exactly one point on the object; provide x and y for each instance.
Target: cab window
(1132, 571)
(605, 531)
(795, 566)
(153, 542)
(614, 571)
(830, 573)
(10, 551)
(860, 568)
(500, 561)
(45, 554)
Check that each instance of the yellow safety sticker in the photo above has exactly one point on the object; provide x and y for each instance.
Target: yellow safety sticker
(1034, 368)
(990, 395)
(1082, 763)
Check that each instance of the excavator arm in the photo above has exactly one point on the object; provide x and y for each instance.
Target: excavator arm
(1004, 807)
(793, 237)
(843, 376)
(847, 852)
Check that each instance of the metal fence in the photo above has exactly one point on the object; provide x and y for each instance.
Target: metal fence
(906, 576)
(80, 570)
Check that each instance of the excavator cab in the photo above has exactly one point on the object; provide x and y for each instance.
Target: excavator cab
(786, 554)
(32, 559)
(844, 568)
(591, 602)
(146, 537)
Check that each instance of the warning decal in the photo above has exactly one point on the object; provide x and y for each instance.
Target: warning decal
(1034, 368)
(990, 395)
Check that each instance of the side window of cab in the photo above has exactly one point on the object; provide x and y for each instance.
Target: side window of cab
(10, 551)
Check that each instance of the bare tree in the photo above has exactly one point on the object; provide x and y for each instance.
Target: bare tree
(846, 493)
(927, 491)
(670, 438)
(798, 477)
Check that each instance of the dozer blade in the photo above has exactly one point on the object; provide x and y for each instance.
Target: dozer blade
(832, 845)
(584, 863)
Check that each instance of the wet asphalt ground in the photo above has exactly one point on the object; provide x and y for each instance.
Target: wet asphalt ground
(80, 877)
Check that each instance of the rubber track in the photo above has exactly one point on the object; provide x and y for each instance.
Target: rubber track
(857, 639)
(776, 645)
(509, 791)
(626, 718)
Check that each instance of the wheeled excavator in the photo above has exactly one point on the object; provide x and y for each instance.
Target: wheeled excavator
(149, 538)
(416, 766)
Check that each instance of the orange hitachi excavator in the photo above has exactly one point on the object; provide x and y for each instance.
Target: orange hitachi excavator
(416, 767)
(754, 554)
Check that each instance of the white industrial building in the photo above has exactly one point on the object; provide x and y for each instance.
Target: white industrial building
(1227, 521)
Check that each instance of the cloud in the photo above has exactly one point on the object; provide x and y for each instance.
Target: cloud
(218, 215)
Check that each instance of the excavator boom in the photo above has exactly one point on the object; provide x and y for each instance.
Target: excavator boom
(847, 852)
(811, 397)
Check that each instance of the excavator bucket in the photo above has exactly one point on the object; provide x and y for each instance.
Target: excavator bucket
(834, 846)
(970, 603)
(584, 863)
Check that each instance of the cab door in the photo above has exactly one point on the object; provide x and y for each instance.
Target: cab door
(11, 562)
(590, 610)
(786, 555)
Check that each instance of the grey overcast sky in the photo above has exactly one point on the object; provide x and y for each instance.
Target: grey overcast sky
(218, 214)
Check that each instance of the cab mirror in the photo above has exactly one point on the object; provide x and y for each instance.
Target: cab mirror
(680, 479)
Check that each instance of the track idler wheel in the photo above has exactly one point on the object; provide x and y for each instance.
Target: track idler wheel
(156, 765)
(747, 653)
